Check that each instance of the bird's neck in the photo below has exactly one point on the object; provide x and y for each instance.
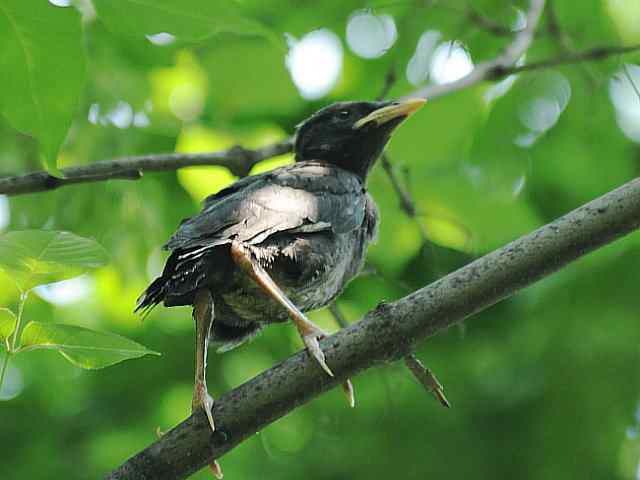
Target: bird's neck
(350, 162)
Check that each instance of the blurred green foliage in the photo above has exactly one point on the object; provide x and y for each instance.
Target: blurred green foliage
(543, 386)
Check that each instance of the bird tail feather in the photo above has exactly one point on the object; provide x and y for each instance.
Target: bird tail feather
(152, 296)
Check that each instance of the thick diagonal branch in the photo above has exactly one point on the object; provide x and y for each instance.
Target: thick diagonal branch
(387, 333)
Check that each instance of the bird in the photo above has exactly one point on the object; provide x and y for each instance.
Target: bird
(275, 245)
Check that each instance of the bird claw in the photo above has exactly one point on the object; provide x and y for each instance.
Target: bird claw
(311, 341)
(216, 469)
(347, 387)
(202, 399)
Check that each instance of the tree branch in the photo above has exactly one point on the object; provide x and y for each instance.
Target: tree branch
(497, 67)
(237, 159)
(487, 24)
(427, 379)
(385, 334)
(240, 160)
(390, 331)
(494, 70)
(591, 55)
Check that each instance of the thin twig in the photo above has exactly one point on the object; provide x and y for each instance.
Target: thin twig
(630, 79)
(592, 55)
(556, 31)
(338, 315)
(468, 12)
(406, 202)
(565, 44)
(494, 70)
(389, 81)
(427, 379)
(424, 375)
(499, 66)
(387, 333)
(487, 24)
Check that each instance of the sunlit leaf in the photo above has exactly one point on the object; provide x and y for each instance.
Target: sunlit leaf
(42, 65)
(83, 347)
(180, 89)
(189, 20)
(36, 257)
(447, 232)
(205, 180)
(7, 323)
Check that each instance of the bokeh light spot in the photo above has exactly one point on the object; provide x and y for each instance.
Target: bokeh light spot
(67, 291)
(420, 63)
(13, 382)
(447, 233)
(369, 35)
(502, 87)
(121, 115)
(141, 120)
(626, 17)
(5, 212)
(450, 62)
(161, 39)
(548, 95)
(520, 21)
(182, 89)
(315, 63)
(203, 181)
(624, 91)
(94, 113)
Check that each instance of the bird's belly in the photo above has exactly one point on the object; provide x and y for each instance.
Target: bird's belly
(311, 269)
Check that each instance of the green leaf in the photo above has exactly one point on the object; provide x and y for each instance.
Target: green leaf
(42, 65)
(83, 347)
(7, 323)
(188, 20)
(36, 257)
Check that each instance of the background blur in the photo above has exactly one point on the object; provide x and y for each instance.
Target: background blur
(544, 386)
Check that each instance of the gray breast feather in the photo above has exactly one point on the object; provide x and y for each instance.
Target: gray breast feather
(303, 197)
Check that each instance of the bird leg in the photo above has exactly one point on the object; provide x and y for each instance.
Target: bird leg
(309, 332)
(203, 315)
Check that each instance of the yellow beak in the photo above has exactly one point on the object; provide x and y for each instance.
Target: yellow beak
(385, 114)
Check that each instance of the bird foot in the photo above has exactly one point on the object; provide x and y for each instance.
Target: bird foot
(347, 387)
(216, 469)
(311, 338)
(202, 399)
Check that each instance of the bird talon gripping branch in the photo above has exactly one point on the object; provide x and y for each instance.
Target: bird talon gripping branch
(313, 346)
(275, 245)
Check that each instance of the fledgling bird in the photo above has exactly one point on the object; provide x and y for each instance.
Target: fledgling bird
(275, 245)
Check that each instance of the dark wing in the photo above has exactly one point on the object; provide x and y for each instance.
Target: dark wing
(303, 197)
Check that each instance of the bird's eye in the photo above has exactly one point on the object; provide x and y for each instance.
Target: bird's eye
(344, 114)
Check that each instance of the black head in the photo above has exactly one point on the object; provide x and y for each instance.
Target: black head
(351, 135)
